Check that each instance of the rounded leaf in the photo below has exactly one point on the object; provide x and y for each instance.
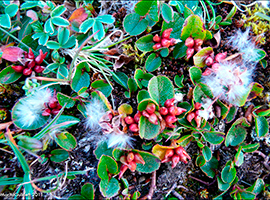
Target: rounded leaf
(134, 25)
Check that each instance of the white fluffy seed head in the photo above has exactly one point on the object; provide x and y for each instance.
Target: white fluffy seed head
(207, 112)
(94, 111)
(119, 140)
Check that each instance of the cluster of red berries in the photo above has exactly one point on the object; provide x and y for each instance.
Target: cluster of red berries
(193, 45)
(164, 40)
(130, 161)
(213, 63)
(31, 64)
(52, 107)
(195, 114)
(176, 155)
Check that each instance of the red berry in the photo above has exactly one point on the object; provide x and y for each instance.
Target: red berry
(130, 157)
(31, 64)
(157, 46)
(156, 38)
(189, 42)
(175, 160)
(18, 68)
(190, 52)
(190, 116)
(31, 54)
(169, 153)
(55, 111)
(123, 168)
(173, 110)
(170, 125)
(153, 119)
(198, 105)
(134, 128)
(151, 108)
(198, 42)
(220, 56)
(132, 166)
(198, 120)
(39, 68)
(165, 43)
(52, 104)
(170, 119)
(166, 34)
(207, 72)
(137, 117)
(138, 158)
(180, 110)
(145, 114)
(197, 48)
(129, 120)
(169, 102)
(27, 71)
(46, 112)
(209, 61)
(163, 111)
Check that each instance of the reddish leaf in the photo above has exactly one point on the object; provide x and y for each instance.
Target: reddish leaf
(79, 15)
(12, 54)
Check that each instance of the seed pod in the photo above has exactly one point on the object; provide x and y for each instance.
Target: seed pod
(145, 114)
(129, 120)
(170, 125)
(189, 42)
(209, 61)
(39, 68)
(198, 42)
(190, 116)
(170, 119)
(173, 110)
(167, 33)
(138, 158)
(157, 46)
(30, 54)
(166, 160)
(150, 108)
(163, 111)
(182, 154)
(123, 168)
(18, 68)
(55, 111)
(30, 143)
(156, 38)
(175, 160)
(169, 102)
(220, 56)
(132, 166)
(190, 52)
(153, 119)
(169, 153)
(137, 117)
(198, 120)
(130, 157)
(123, 159)
(165, 43)
(52, 103)
(46, 112)
(134, 128)
(27, 71)
(207, 72)
(180, 111)
(39, 59)
(198, 105)
(31, 64)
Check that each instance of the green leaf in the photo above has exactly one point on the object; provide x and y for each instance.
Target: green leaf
(64, 99)
(193, 27)
(59, 155)
(195, 74)
(151, 7)
(145, 43)
(164, 52)
(152, 163)
(152, 62)
(70, 43)
(86, 25)
(222, 185)
(239, 157)
(65, 140)
(214, 137)
(166, 12)
(231, 115)
(200, 161)
(180, 50)
(5, 21)
(210, 167)
(63, 35)
(228, 174)
(247, 195)
(106, 19)
(176, 24)
(132, 85)
(66, 121)
(235, 136)
(60, 21)
(59, 10)
(122, 79)
(142, 94)
(207, 153)
(249, 148)
(263, 63)
(134, 25)
(87, 191)
(148, 130)
(160, 89)
(102, 86)
(260, 54)
(103, 149)
(199, 57)
(52, 45)
(257, 187)
(106, 165)
(8, 75)
(51, 67)
(98, 27)
(12, 10)
(109, 188)
(261, 126)
(81, 79)
(256, 90)
(62, 72)
(178, 81)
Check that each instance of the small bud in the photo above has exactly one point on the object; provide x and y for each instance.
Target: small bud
(198, 42)
(158, 116)
(170, 119)
(31, 64)
(39, 68)
(169, 102)
(46, 112)
(198, 120)
(173, 110)
(52, 103)
(134, 128)
(157, 46)
(182, 154)
(163, 111)
(18, 68)
(167, 33)
(180, 111)
(30, 143)
(190, 52)
(165, 43)
(137, 117)
(129, 120)
(170, 125)
(190, 116)
(207, 72)
(175, 160)
(123, 160)
(153, 119)
(123, 168)
(138, 159)
(189, 42)
(156, 38)
(55, 111)
(130, 157)
(132, 166)
(31, 54)
(150, 108)
(169, 153)
(145, 114)
(220, 56)
(164, 160)
(209, 61)
(39, 59)
(198, 105)
(27, 71)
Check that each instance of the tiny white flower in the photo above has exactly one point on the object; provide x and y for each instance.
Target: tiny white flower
(179, 97)
(207, 112)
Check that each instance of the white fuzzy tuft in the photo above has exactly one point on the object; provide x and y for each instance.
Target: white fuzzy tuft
(265, 3)
(30, 109)
(119, 140)
(94, 111)
(207, 112)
